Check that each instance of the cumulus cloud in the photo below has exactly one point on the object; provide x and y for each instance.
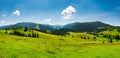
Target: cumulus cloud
(48, 21)
(17, 13)
(68, 12)
(2, 21)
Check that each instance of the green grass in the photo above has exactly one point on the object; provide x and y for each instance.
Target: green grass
(53, 46)
(112, 33)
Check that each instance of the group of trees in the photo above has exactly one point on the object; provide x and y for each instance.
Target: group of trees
(111, 34)
(19, 33)
(33, 34)
(61, 32)
(82, 36)
(64, 32)
(111, 37)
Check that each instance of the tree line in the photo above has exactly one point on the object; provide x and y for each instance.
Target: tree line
(19, 33)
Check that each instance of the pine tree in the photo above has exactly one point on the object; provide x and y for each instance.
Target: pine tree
(6, 32)
(26, 29)
(37, 35)
(33, 34)
(111, 40)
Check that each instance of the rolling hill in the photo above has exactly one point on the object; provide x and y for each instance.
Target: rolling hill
(73, 45)
(53, 46)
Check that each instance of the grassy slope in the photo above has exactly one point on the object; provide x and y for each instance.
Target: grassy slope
(112, 33)
(52, 46)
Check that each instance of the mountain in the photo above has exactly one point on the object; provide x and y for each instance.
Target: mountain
(32, 26)
(75, 27)
(87, 26)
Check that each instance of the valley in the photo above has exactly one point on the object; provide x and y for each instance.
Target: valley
(59, 28)
(13, 44)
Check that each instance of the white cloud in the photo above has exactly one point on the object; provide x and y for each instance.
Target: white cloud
(17, 12)
(48, 21)
(2, 21)
(68, 12)
(4, 15)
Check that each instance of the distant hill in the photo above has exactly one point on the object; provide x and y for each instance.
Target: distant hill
(32, 25)
(75, 27)
(88, 26)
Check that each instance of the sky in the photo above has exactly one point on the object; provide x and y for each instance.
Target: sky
(59, 12)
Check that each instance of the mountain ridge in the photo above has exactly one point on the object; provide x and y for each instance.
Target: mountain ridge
(76, 26)
(31, 25)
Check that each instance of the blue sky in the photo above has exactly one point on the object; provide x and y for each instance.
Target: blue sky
(59, 12)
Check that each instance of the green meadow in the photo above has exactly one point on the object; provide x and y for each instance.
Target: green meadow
(59, 28)
(73, 45)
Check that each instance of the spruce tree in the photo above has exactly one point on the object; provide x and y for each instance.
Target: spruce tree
(33, 34)
(37, 35)
(6, 32)
(26, 29)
